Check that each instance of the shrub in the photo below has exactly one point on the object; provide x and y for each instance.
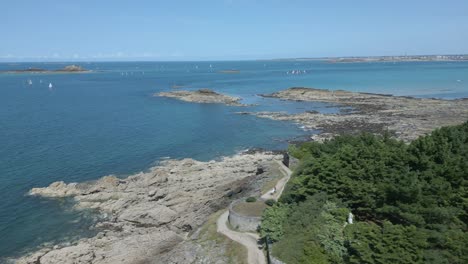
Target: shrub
(270, 202)
(251, 199)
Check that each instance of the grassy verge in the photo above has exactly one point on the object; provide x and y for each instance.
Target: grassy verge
(272, 183)
(235, 252)
(250, 209)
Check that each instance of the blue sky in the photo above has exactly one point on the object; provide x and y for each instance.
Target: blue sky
(51, 30)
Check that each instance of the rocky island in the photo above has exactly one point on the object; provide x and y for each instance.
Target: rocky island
(405, 117)
(205, 96)
(229, 71)
(154, 217)
(66, 69)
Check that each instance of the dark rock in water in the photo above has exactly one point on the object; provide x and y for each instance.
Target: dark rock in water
(206, 91)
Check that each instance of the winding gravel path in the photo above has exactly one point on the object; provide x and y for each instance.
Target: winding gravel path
(249, 240)
(280, 184)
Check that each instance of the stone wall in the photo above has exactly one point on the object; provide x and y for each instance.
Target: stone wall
(289, 161)
(241, 222)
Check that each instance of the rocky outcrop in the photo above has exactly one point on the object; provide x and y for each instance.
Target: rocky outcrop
(406, 117)
(150, 213)
(72, 68)
(203, 96)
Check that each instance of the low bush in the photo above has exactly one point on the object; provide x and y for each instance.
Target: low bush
(270, 202)
(251, 200)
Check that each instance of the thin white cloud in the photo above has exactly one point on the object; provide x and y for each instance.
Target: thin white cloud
(7, 56)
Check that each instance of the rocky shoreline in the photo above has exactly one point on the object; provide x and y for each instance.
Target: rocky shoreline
(404, 117)
(147, 215)
(155, 216)
(204, 96)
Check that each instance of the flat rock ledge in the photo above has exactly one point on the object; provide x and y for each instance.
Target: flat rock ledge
(406, 117)
(148, 214)
(204, 96)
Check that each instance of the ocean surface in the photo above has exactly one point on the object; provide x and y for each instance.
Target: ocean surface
(107, 122)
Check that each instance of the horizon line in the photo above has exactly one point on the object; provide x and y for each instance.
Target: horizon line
(208, 60)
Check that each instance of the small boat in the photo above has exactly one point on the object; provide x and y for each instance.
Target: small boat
(50, 86)
(30, 82)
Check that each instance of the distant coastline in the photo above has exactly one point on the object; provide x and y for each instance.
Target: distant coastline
(66, 69)
(404, 58)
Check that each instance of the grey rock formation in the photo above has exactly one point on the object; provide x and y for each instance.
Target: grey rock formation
(203, 96)
(148, 214)
(406, 117)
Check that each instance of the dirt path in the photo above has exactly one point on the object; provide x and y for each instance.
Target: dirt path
(280, 184)
(248, 240)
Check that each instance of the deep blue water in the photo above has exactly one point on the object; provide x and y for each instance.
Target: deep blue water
(106, 122)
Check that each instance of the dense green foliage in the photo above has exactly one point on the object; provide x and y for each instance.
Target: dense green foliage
(409, 201)
(270, 202)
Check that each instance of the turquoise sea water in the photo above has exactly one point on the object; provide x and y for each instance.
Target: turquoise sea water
(106, 122)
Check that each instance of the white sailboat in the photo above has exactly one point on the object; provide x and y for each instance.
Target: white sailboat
(30, 82)
(50, 86)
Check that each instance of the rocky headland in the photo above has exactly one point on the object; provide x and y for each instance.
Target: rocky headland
(66, 69)
(405, 117)
(155, 216)
(205, 96)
